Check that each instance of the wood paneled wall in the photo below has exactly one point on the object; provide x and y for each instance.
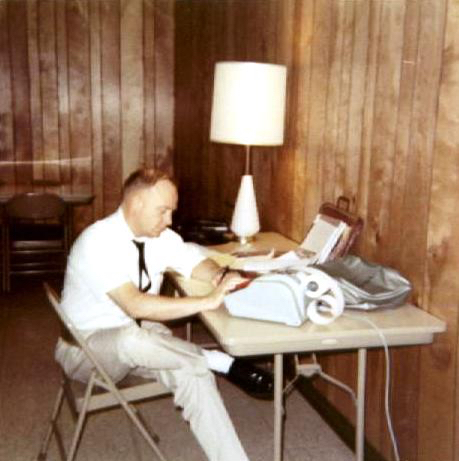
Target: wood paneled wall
(373, 99)
(86, 94)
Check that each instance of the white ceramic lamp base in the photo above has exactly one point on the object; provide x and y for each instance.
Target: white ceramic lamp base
(245, 223)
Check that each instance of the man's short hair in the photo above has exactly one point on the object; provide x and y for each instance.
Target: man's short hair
(143, 178)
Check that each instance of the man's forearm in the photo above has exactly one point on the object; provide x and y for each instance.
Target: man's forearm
(161, 308)
(208, 271)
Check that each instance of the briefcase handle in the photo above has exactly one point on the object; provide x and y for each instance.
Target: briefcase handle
(340, 210)
(343, 203)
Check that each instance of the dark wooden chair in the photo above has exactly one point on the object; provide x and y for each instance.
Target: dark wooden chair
(35, 237)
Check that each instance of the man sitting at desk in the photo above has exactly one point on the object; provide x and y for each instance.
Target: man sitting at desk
(113, 278)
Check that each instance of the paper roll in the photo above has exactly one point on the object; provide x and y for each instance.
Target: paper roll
(324, 310)
(316, 282)
(327, 298)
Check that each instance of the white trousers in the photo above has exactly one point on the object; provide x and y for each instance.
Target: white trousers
(152, 351)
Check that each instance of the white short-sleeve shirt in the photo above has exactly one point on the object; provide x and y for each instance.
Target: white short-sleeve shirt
(104, 257)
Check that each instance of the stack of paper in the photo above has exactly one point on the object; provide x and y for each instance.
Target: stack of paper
(323, 236)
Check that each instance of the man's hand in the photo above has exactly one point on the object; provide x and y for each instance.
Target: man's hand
(231, 281)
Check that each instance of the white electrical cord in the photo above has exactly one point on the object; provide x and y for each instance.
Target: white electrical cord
(337, 383)
(387, 384)
(317, 369)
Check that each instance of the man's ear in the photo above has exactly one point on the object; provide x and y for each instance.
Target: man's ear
(136, 201)
(132, 204)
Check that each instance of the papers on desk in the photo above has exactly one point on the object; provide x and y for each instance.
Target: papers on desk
(263, 265)
(322, 243)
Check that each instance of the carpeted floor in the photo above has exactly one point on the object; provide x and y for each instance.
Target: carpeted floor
(29, 382)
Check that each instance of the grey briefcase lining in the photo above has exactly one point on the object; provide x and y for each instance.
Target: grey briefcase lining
(366, 285)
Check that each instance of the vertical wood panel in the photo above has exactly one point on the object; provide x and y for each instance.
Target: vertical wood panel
(282, 166)
(131, 85)
(187, 136)
(418, 171)
(79, 92)
(111, 105)
(404, 121)
(149, 46)
(346, 57)
(371, 70)
(60, 66)
(356, 100)
(35, 93)
(385, 112)
(333, 97)
(96, 107)
(6, 110)
(219, 31)
(20, 83)
(201, 103)
(419, 161)
(79, 104)
(317, 110)
(302, 95)
(164, 84)
(48, 81)
(63, 97)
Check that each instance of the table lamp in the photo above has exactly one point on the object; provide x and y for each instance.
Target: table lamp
(248, 108)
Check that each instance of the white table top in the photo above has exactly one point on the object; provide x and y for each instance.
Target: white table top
(405, 325)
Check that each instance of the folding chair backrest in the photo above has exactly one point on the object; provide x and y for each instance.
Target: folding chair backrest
(34, 205)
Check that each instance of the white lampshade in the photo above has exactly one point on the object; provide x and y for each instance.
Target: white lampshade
(248, 104)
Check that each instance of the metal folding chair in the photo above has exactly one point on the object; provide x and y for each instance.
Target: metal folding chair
(100, 393)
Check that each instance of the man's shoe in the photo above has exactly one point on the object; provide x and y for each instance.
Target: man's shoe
(255, 381)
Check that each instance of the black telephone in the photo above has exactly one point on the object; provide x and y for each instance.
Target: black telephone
(204, 231)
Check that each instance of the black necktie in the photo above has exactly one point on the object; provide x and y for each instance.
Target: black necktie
(142, 266)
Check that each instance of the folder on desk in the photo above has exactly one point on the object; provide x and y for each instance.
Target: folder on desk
(323, 237)
(332, 232)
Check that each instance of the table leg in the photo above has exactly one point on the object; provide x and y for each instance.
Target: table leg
(360, 420)
(278, 405)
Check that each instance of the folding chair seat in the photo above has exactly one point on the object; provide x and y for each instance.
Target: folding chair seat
(35, 235)
(99, 393)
